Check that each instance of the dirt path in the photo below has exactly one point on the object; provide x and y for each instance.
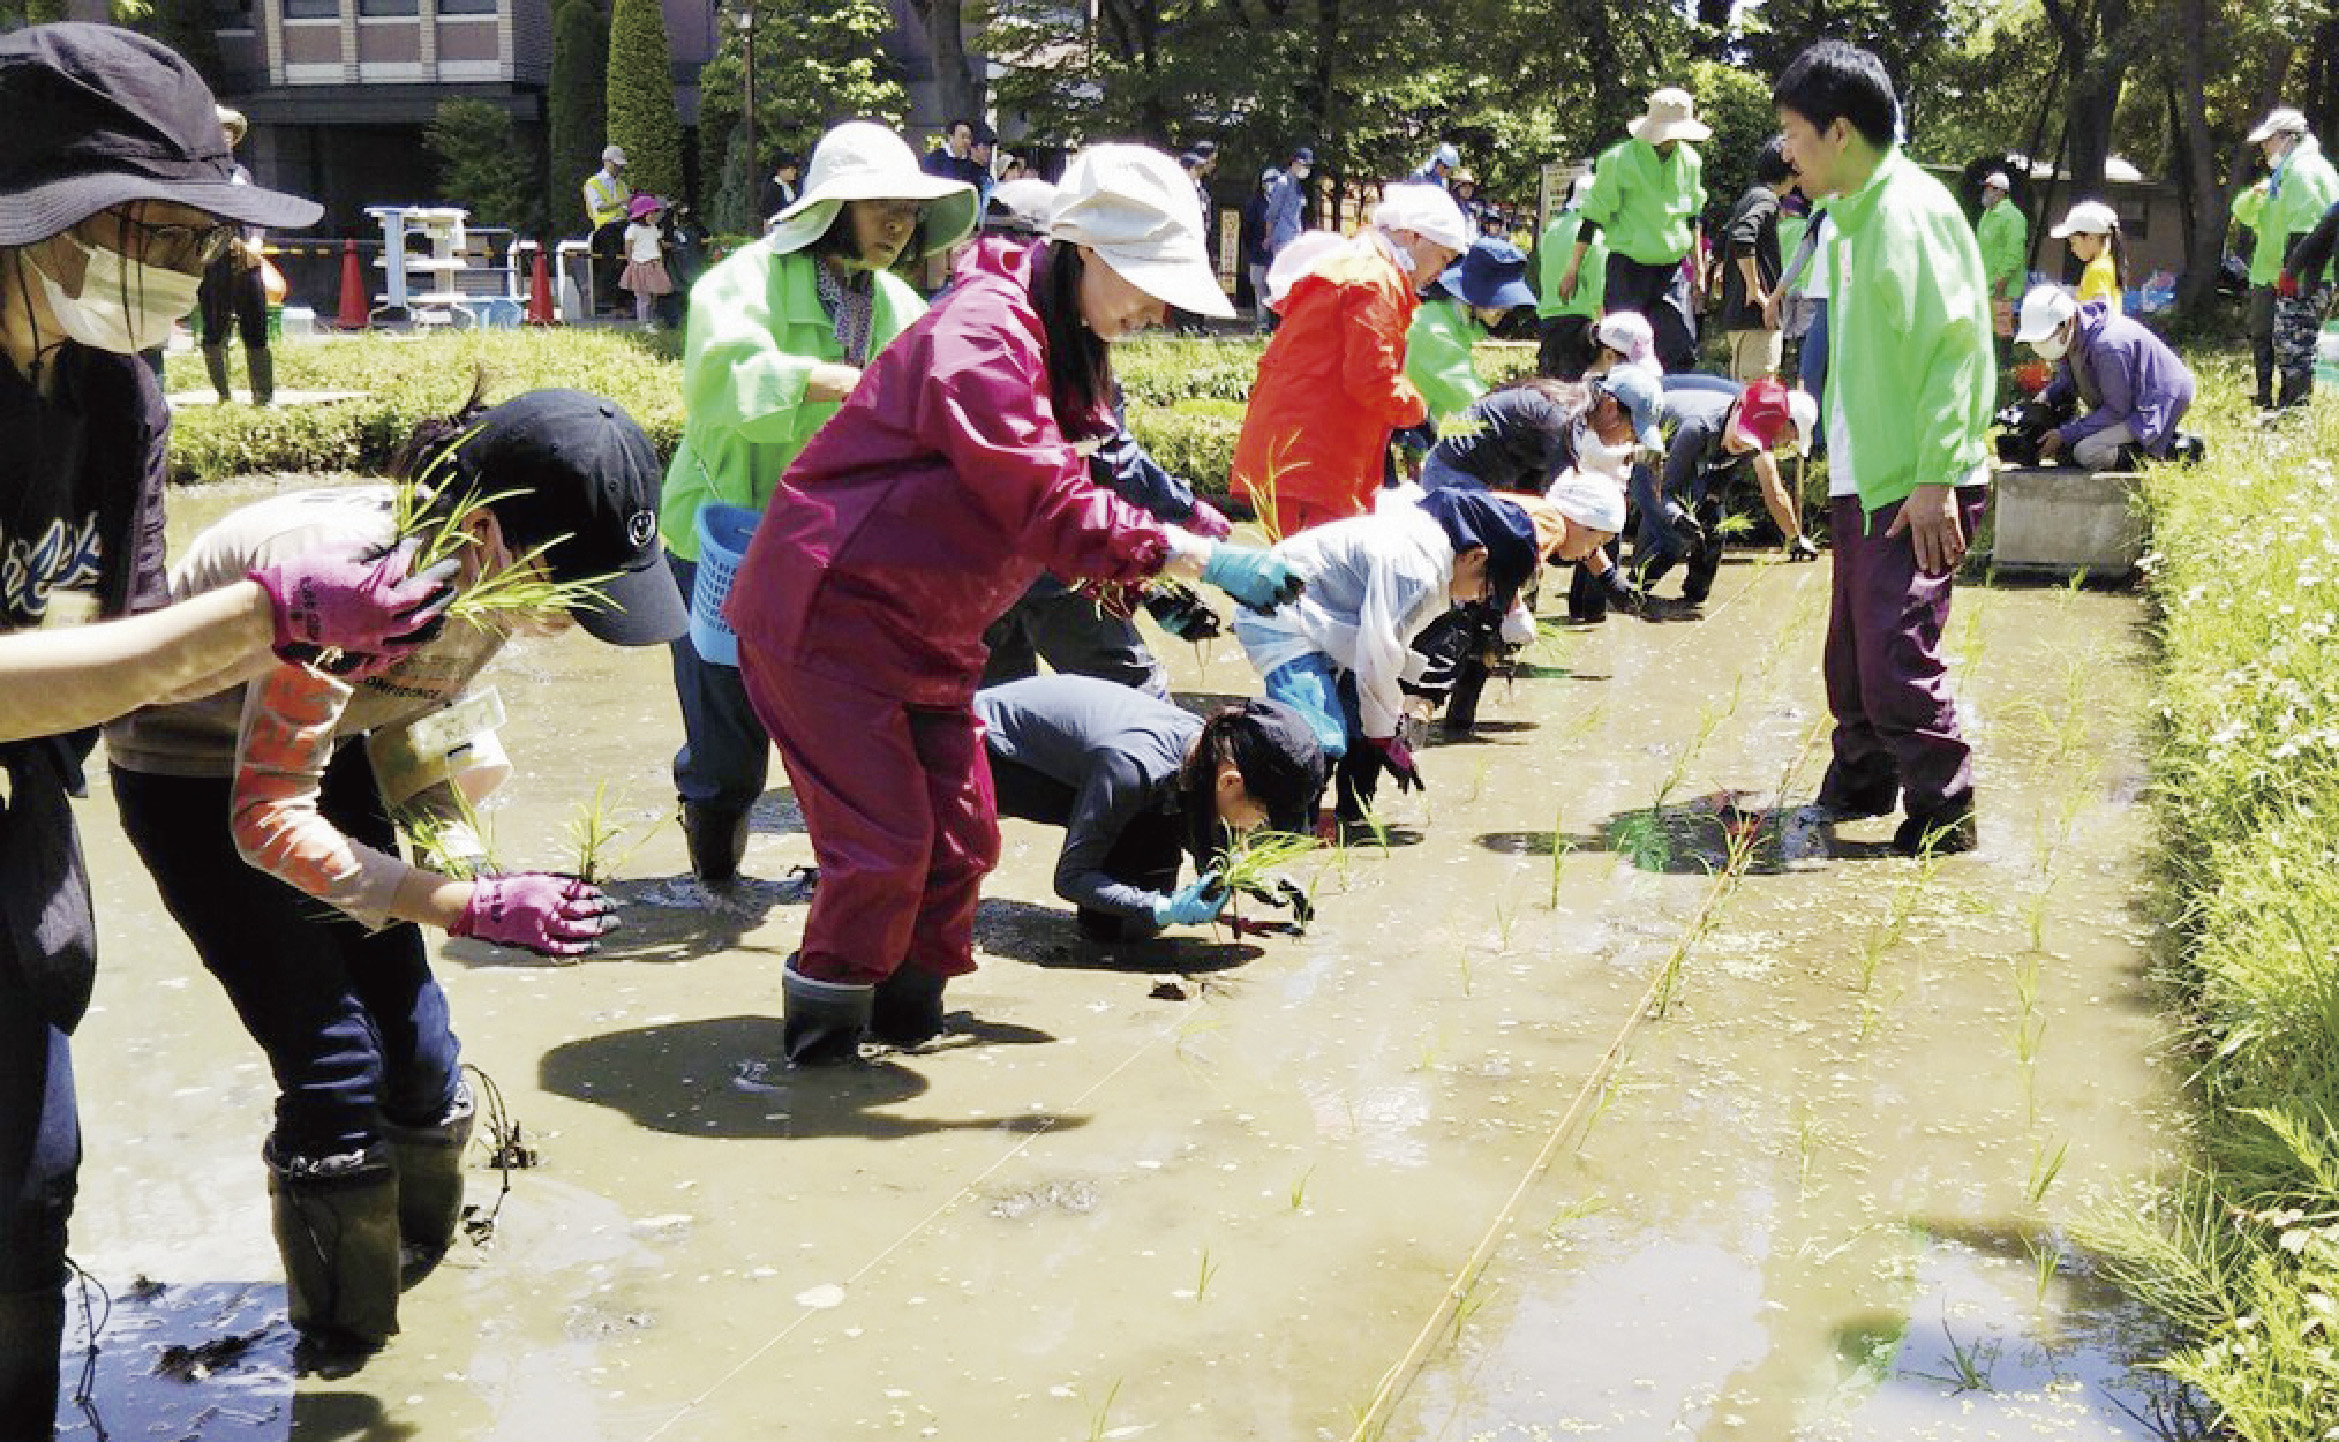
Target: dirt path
(1225, 1207)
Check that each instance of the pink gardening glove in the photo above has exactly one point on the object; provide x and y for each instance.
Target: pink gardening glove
(362, 605)
(1209, 522)
(549, 915)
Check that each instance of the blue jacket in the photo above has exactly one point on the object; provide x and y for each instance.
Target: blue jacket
(1284, 204)
(2124, 373)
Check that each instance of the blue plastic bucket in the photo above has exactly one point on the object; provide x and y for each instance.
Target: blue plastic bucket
(723, 534)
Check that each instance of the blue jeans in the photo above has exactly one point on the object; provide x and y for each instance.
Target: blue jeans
(355, 1026)
(725, 758)
(1813, 370)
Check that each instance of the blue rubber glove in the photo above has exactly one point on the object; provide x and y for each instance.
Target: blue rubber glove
(1259, 579)
(1194, 906)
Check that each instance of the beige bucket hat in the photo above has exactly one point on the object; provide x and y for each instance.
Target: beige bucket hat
(1672, 115)
(862, 161)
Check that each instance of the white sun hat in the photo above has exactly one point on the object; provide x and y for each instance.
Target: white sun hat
(1588, 500)
(2284, 121)
(2088, 217)
(2043, 312)
(1672, 115)
(862, 161)
(1136, 208)
(1426, 210)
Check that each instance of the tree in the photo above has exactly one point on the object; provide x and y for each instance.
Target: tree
(817, 62)
(482, 165)
(579, 105)
(1737, 106)
(642, 119)
(960, 84)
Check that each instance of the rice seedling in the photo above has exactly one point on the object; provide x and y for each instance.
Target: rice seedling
(1506, 915)
(517, 590)
(1299, 1189)
(1099, 1415)
(1574, 1212)
(1970, 1363)
(1473, 1295)
(1559, 853)
(2045, 1166)
(449, 835)
(2046, 1263)
(1203, 1274)
(591, 832)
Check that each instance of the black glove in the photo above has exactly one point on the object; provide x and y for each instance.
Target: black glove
(1182, 612)
(1623, 594)
(1397, 759)
(1682, 529)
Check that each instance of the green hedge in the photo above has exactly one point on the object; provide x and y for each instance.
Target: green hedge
(1185, 398)
(2242, 1252)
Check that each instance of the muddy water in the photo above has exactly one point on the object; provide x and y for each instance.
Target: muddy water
(1215, 1189)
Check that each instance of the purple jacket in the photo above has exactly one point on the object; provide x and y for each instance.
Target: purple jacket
(2129, 374)
(931, 500)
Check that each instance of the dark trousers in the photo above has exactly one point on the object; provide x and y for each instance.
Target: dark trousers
(1661, 294)
(2262, 342)
(726, 758)
(40, 1159)
(231, 298)
(1565, 347)
(355, 1026)
(1073, 635)
(608, 265)
(1147, 854)
(898, 802)
(1887, 683)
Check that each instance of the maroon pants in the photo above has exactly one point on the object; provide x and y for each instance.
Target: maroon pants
(899, 804)
(1887, 685)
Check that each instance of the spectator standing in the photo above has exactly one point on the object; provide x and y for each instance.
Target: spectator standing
(645, 277)
(1475, 209)
(1314, 445)
(1200, 162)
(1910, 389)
(1257, 255)
(1439, 168)
(234, 297)
(606, 197)
(2092, 230)
(2301, 187)
(1566, 320)
(2249, 212)
(2004, 237)
(965, 156)
(1287, 202)
(1750, 268)
(2134, 387)
(778, 191)
(1647, 193)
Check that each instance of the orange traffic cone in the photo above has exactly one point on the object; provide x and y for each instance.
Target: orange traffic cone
(353, 307)
(540, 310)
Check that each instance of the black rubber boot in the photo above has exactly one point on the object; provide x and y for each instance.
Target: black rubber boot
(906, 1009)
(1357, 780)
(32, 1334)
(430, 1185)
(1943, 830)
(260, 370)
(716, 837)
(336, 1224)
(824, 1021)
(1470, 679)
(215, 366)
(2296, 387)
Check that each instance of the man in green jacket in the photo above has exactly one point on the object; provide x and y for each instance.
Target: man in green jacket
(2302, 186)
(2249, 212)
(1647, 193)
(1910, 387)
(1565, 321)
(2004, 237)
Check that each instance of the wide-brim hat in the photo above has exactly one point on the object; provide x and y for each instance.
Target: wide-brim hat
(587, 480)
(2044, 310)
(1672, 115)
(2088, 217)
(643, 205)
(1490, 273)
(102, 117)
(1138, 212)
(2284, 121)
(859, 160)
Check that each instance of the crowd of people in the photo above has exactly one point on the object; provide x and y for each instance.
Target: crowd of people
(895, 508)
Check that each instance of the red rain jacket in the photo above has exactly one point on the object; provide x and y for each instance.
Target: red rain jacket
(1331, 386)
(926, 506)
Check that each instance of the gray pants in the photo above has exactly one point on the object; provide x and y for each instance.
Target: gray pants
(2298, 320)
(2101, 451)
(1072, 634)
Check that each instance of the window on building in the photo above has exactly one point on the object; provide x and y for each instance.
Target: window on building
(468, 7)
(389, 7)
(312, 9)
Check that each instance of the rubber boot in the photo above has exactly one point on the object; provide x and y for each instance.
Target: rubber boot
(1357, 780)
(336, 1224)
(260, 370)
(716, 837)
(215, 366)
(1470, 677)
(430, 1185)
(1944, 830)
(824, 1021)
(906, 1009)
(2296, 387)
(32, 1334)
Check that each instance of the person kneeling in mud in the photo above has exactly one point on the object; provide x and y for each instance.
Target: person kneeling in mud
(253, 804)
(1340, 654)
(1135, 782)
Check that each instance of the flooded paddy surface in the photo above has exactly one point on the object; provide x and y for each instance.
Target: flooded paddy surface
(1812, 1129)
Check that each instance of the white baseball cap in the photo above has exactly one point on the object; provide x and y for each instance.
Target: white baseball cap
(1136, 208)
(2044, 311)
(613, 155)
(2088, 217)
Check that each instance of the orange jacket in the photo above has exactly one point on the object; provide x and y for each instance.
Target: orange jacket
(1331, 387)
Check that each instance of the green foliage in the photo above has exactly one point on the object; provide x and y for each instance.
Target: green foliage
(1737, 106)
(579, 103)
(642, 119)
(2243, 1252)
(483, 166)
(189, 27)
(817, 62)
(730, 191)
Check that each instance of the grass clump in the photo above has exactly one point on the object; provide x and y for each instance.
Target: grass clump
(2242, 1252)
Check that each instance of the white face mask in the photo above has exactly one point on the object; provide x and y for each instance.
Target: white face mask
(1595, 454)
(125, 306)
(2053, 347)
(1300, 171)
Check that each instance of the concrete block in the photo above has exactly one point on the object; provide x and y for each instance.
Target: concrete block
(2062, 521)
